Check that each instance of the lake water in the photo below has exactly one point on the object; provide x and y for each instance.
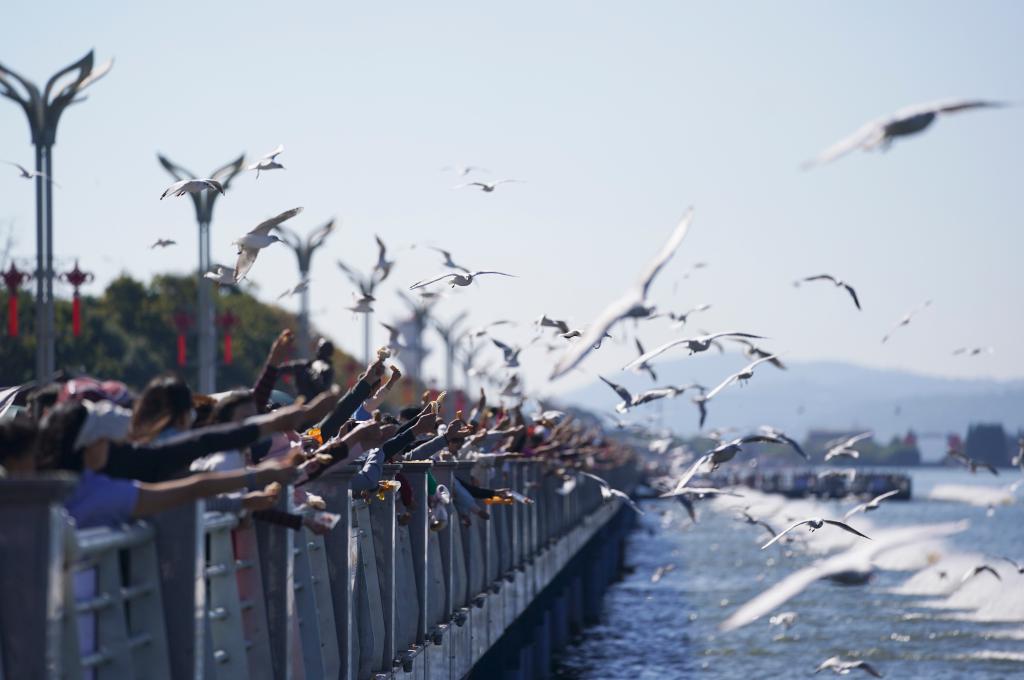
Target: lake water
(910, 621)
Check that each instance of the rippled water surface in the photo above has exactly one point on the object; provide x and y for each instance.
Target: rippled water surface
(910, 620)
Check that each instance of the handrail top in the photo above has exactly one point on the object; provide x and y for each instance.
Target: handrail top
(99, 539)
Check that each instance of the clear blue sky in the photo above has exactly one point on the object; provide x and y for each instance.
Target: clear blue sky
(618, 115)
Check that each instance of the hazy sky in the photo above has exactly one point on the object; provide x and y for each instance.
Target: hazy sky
(617, 115)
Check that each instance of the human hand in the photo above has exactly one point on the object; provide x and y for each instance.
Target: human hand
(261, 500)
(282, 344)
(425, 424)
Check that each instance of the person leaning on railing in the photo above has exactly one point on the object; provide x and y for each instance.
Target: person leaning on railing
(83, 437)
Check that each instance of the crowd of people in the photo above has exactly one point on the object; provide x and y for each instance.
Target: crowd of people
(138, 455)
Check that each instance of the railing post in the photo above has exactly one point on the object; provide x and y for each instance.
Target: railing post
(443, 473)
(32, 552)
(277, 559)
(416, 473)
(335, 490)
(382, 526)
(181, 552)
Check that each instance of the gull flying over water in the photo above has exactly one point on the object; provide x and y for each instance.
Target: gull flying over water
(740, 376)
(259, 237)
(813, 525)
(457, 279)
(870, 505)
(29, 174)
(972, 351)
(192, 186)
(546, 322)
(841, 666)
(268, 162)
(775, 436)
(162, 243)
(722, 453)
(836, 282)
(844, 447)
(697, 343)
(487, 187)
(632, 304)
(907, 121)
(970, 463)
(906, 320)
(629, 400)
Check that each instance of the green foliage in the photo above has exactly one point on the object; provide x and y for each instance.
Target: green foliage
(128, 334)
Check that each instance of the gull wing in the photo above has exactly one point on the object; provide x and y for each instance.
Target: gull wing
(878, 499)
(475, 274)
(945, 106)
(609, 492)
(733, 335)
(688, 475)
(854, 510)
(421, 284)
(265, 226)
(864, 136)
(275, 153)
(320, 234)
(721, 386)
(846, 527)
(785, 531)
(246, 259)
(853, 294)
(619, 389)
(595, 332)
(657, 351)
(666, 253)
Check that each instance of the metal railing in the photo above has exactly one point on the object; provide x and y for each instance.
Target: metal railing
(196, 594)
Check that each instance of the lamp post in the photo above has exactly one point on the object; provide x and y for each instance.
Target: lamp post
(76, 278)
(205, 324)
(447, 331)
(43, 110)
(412, 331)
(304, 249)
(470, 350)
(366, 285)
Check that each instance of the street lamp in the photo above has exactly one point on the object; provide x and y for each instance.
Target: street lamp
(304, 250)
(44, 111)
(366, 285)
(447, 331)
(412, 330)
(205, 324)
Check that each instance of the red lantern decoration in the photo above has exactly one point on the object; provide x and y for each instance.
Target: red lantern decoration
(13, 278)
(227, 321)
(182, 322)
(77, 278)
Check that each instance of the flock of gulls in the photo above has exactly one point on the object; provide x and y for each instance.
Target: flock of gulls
(635, 305)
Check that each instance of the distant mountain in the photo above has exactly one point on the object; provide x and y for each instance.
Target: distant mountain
(821, 394)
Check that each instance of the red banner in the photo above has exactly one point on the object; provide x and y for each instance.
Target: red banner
(181, 349)
(227, 348)
(12, 315)
(76, 315)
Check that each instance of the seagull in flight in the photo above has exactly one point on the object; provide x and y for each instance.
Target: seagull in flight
(775, 436)
(740, 376)
(722, 453)
(222, 276)
(679, 320)
(837, 282)
(750, 519)
(546, 322)
(870, 505)
(192, 186)
(696, 344)
(510, 355)
(394, 339)
(382, 268)
(162, 243)
(970, 463)
(752, 351)
(268, 162)
(457, 279)
(813, 525)
(448, 262)
(880, 133)
(463, 170)
(364, 305)
(487, 187)
(259, 237)
(844, 447)
(906, 320)
(632, 304)
(29, 174)
(972, 351)
(294, 290)
(1016, 565)
(644, 366)
(842, 667)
